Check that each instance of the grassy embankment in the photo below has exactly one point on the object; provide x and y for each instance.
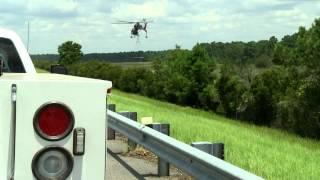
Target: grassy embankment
(126, 65)
(270, 153)
(41, 70)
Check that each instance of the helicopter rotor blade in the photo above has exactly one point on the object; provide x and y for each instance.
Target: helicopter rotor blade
(126, 22)
(131, 22)
(122, 23)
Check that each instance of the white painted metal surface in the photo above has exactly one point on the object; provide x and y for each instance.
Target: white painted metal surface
(5, 117)
(24, 56)
(87, 100)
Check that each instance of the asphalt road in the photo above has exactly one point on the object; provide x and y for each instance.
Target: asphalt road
(122, 167)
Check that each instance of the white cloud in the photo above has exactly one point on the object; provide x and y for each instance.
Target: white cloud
(64, 6)
(181, 21)
(149, 9)
(58, 9)
(294, 15)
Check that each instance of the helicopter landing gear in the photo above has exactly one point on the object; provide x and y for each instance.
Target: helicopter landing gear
(146, 33)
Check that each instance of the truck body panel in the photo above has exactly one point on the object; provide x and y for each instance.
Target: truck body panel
(23, 53)
(87, 100)
(20, 142)
(5, 123)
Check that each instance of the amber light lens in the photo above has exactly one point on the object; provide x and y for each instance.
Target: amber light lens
(53, 121)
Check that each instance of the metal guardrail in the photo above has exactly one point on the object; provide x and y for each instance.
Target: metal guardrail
(191, 160)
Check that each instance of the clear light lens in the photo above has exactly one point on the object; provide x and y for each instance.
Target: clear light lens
(55, 163)
(52, 164)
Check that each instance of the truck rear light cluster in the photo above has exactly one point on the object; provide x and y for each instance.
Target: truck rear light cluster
(52, 163)
(53, 121)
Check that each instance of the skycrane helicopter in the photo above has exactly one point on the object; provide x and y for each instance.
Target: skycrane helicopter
(138, 26)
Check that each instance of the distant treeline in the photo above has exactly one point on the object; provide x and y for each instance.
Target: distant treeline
(242, 52)
(271, 83)
(137, 56)
(234, 52)
(260, 52)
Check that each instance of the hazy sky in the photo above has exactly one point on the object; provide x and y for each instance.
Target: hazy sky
(183, 22)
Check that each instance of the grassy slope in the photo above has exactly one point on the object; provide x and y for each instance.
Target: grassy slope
(133, 64)
(41, 70)
(269, 153)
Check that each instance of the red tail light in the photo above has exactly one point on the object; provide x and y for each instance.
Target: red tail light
(53, 121)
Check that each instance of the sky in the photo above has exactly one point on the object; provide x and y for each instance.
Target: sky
(182, 22)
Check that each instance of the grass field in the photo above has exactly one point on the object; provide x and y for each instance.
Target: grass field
(134, 64)
(270, 153)
(41, 70)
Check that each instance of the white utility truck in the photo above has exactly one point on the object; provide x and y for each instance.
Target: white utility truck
(52, 126)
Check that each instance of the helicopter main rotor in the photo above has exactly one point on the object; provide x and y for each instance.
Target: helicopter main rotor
(132, 22)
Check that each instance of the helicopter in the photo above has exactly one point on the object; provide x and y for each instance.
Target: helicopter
(138, 26)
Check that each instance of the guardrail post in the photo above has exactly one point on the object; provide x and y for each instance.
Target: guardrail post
(163, 166)
(111, 133)
(133, 116)
(111, 107)
(215, 149)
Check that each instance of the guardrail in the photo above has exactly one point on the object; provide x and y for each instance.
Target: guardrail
(185, 157)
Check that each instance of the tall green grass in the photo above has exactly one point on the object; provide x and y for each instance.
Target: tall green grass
(270, 153)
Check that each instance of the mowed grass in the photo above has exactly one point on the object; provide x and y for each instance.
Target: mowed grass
(126, 65)
(41, 70)
(270, 153)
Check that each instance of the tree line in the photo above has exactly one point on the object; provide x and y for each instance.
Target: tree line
(271, 83)
(134, 56)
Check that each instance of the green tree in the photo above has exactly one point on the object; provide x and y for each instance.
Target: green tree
(70, 53)
(130, 80)
(267, 88)
(231, 89)
(199, 72)
(299, 107)
(308, 55)
(182, 75)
